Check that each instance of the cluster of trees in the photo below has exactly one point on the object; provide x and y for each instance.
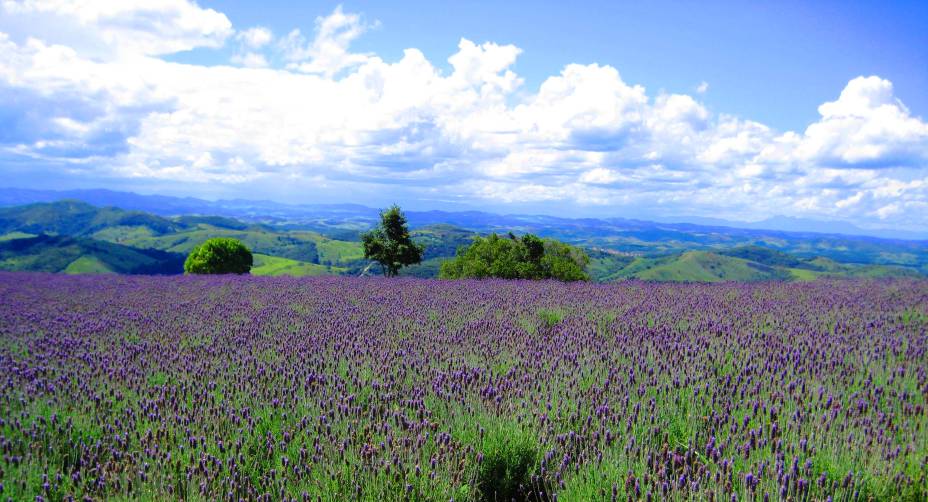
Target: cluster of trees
(390, 245)
(510, 257)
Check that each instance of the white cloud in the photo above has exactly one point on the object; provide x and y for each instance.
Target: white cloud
(335, 118)
(600, 176)
(255, 38)
(251, 41)
(250, 60)
(866, 126)
(149, 27)
(328, 53)
(702, 87)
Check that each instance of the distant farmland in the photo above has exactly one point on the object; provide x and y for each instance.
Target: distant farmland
(334, 388)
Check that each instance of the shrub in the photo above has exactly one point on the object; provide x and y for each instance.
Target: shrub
(510, 458)
(510, 257)
(220, 255)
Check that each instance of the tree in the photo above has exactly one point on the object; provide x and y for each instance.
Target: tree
(528, 257)
(220, 255)
(390, 245)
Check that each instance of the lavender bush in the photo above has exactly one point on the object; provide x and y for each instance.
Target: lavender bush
(231, 388)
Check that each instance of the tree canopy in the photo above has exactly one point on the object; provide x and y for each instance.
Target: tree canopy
(510, 257)
(220, 255)
(390, 244)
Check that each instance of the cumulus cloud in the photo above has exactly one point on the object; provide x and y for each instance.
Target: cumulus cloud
(865, 127)
(331, 117)
(328, 53)
(107, 27)
(255, 38)
(251, 41)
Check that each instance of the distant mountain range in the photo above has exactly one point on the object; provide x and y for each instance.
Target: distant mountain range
(74, 236)
(360, 217)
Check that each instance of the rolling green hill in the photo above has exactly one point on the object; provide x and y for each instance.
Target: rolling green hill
(259, 240)
(297, 252)
(48, 253)
(275, 265)
(88, 265)
(703, 266)
(764, 255)
(74, 237)
(77, 218)
(605, 263)
(698, 266)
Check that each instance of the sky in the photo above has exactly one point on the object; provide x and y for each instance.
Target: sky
(734, 110)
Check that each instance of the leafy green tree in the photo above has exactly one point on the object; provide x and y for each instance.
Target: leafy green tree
(564, 262)
(390, 244)
(220, 255)
(528, 257)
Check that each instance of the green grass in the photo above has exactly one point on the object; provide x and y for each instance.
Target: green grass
(274, 265)
(87, 265)
(703, 266)
(698, 266)
(550, 317)
(335, 252)
(801, 274)
(510, 457)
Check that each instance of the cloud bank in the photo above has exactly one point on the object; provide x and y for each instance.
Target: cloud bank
(85, 87)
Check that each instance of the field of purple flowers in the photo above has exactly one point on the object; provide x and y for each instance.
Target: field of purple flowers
(229, 388)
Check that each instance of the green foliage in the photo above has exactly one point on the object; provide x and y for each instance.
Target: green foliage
(219, 256)
(510, 458)
(550, 317)
(528, 257)
(390, 244)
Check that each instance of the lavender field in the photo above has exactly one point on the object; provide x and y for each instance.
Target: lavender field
(232, 388)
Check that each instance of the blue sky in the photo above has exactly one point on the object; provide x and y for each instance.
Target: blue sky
(664, 109)
(795, 54)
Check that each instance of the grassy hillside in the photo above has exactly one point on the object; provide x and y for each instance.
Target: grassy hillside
(109, 239)
(764, 255)
(281, 251)
(604, 263)
(286, 245)
(334, 252)
(825, 267)
(274, 265)
(698, 266)
(703, 266)
(78, 218)
(88, 265)
(46, 253)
